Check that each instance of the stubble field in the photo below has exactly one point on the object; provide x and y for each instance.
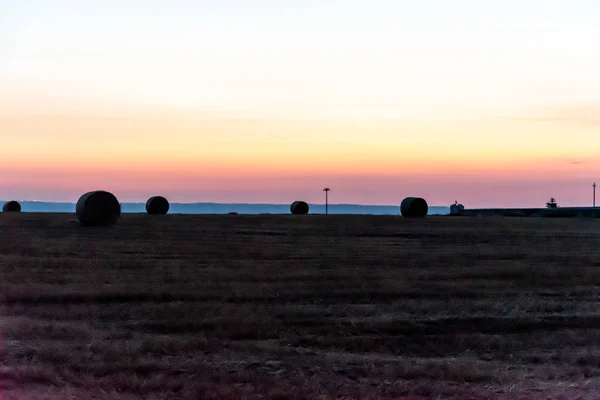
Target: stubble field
(299, 307)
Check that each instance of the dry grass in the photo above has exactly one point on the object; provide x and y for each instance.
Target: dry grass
(299, 307)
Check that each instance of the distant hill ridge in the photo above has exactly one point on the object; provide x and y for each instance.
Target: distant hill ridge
(241, 208)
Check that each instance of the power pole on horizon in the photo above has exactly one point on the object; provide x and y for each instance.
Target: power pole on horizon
(594, 186)
(326, 190)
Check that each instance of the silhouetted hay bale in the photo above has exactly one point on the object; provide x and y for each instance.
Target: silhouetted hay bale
(299, 208)
(11, 206)
(414, 207)
(98, 208)
(157, 205)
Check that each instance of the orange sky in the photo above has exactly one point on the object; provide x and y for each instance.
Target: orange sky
(491, 105)
(188, 156)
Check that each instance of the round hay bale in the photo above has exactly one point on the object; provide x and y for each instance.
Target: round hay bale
(157, 205)
(98, 208)
(299, 208)
(11, 206)
(414, 207)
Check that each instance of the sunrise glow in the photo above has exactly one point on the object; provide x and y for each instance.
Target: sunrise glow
(226, 102)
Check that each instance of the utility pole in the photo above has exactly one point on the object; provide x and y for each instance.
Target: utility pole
(326, 190)
(594, 186)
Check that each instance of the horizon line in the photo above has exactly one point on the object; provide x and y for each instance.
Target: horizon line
(225, 203)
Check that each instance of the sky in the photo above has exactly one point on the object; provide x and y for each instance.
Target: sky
(493, 104)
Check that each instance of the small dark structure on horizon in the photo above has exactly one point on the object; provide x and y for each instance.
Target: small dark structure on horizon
(157, 205)
(414, 207)
(232, 213)
(456, 208)
(98, 208)
(299, 208)
(552, 203)
(326, 190)
(11, 206)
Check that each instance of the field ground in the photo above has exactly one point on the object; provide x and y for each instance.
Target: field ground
(299, 307)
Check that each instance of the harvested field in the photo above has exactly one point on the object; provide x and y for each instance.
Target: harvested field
(297, 307)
